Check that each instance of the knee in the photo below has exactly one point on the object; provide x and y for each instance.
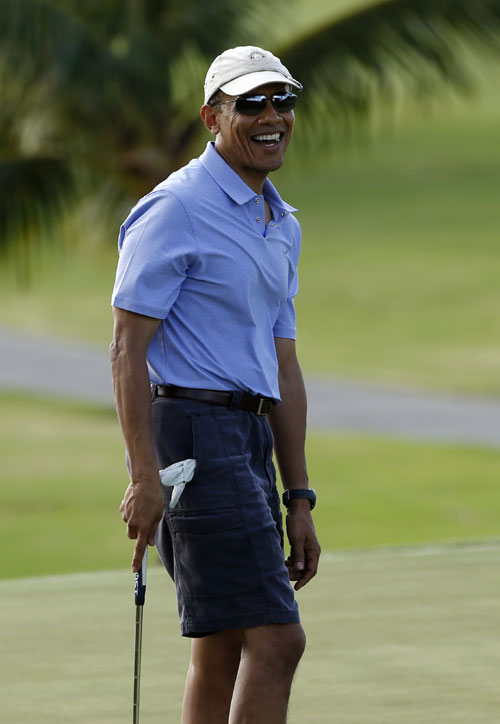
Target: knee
(295, 644)
(277, 647)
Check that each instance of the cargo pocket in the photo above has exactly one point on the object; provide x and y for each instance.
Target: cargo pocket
(213, 553)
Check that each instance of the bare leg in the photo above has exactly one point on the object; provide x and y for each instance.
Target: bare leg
(210, 681)
(269, 658)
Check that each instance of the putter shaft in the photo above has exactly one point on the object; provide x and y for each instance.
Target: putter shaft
(137, 662)
(140, 597)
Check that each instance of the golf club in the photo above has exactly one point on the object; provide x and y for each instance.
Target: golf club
(140, 595)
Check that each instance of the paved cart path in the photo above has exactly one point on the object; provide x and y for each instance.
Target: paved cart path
(81, 372)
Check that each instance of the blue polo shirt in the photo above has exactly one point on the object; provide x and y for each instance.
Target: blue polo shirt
(197, 254)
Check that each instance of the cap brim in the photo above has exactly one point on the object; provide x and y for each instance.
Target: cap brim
(248, 82)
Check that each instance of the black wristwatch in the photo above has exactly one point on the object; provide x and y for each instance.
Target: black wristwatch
(304, 493)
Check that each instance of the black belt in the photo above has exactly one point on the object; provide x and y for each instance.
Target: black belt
(248, 403)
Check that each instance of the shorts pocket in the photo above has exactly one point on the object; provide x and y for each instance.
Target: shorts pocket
(214, 557)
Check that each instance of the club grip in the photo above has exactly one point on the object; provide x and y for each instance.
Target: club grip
(140, 581)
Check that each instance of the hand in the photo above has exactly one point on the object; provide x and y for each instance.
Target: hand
(142, 509)
(302, 563)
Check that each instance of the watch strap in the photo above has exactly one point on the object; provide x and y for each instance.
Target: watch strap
(299, 493)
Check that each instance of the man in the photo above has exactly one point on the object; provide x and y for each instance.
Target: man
(203, 352)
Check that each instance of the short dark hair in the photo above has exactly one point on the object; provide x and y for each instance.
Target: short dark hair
(215, 98)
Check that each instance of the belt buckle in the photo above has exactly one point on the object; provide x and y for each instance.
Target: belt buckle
(261, 405)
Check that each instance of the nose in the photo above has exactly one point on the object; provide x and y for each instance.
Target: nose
(269, 113)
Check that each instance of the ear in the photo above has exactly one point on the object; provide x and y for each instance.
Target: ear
(210, 118)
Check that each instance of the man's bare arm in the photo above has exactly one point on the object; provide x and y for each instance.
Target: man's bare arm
(288, 423)
(142, 505)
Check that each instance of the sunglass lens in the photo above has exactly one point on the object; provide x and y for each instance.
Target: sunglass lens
(284, 103)
(251, 105)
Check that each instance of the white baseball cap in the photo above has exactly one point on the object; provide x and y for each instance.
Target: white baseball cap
(239, 70)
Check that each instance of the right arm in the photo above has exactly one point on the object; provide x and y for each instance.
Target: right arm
(143, 503)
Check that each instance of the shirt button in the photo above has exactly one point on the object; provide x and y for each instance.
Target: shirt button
(257, 200)
(283, 213)
(258, 218)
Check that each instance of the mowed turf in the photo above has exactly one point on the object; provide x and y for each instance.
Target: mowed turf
(393, 636)
(63, 476)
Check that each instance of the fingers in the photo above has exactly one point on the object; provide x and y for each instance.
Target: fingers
(302, 563)
(144, 538)
(297, 558)
(303, 560)
(131, 529)
(142, 509)
(310, 569)
(139, 550)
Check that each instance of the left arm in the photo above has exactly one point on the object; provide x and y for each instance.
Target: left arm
(288, 423)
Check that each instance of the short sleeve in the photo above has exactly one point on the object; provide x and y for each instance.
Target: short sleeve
(285, 325)
(157, 247)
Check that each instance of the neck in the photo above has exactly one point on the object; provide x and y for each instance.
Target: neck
(254, 179)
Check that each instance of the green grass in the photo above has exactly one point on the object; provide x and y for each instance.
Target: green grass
(69, 295)
(63, 476)
(63, 473)
(376, 491)
(392, 637)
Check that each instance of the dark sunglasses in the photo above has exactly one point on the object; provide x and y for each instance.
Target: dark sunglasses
(253, 105)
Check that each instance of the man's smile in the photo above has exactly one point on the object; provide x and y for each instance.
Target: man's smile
(269, 141)
(267, 138)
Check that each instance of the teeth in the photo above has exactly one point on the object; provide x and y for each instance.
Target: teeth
(268, 137)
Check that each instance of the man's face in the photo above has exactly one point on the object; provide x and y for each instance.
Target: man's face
(239, 138)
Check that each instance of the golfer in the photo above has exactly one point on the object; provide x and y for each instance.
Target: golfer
(204, 367)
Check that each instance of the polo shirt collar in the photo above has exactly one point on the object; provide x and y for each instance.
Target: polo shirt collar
(233, 185)
(274, 199)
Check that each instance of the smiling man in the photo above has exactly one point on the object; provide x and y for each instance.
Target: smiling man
(204, 367)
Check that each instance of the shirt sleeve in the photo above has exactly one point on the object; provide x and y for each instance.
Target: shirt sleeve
(285, 325)
(156, 246)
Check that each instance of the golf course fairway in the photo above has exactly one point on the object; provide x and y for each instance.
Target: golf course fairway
(402, 635)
